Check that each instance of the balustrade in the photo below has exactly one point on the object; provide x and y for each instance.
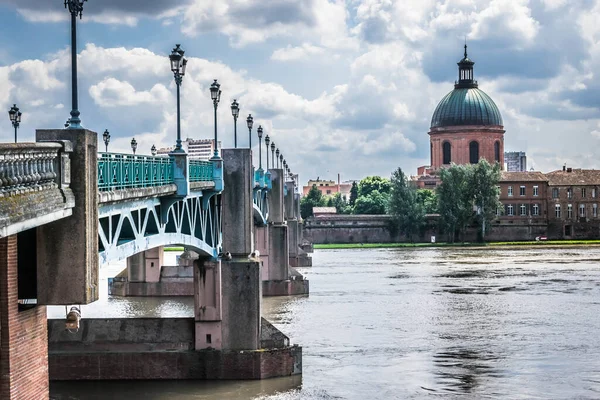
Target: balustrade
(28, 167)
(200, 171)
(128, 171)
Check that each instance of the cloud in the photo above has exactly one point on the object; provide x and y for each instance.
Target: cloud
(304, 52)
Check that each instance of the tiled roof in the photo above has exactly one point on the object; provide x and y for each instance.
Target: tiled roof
(531, 176)
(575, 177)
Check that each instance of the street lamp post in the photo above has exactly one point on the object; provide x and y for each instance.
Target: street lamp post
(106, 137)
(235, 111)
(75, 7)
(260, 133)
(267, 141)
(277, 157)
(215, 95)
(153, 150)
(15, 117)
(273, 154)
(133, 145)
(281, 159)
(178, 64)
(250, 122)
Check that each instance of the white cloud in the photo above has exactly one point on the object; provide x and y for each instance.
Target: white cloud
(297, 53)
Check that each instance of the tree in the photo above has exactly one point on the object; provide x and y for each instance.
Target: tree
(455, 205)
(353, 193)
(485, 193)
(428, 199)
(408, 212)
(339, 202)
(374, 203)
(314, 198)
(371, 183)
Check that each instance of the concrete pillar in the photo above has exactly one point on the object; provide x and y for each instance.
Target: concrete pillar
(289, 201)
(145, 266)
(242, 294)
(241, 283)
(238, 213)
(207, 304)
(278, 253)
(23, 335)
(68, 264)
(276, 198)
(293, 237)
(262, 239)
(180, 172)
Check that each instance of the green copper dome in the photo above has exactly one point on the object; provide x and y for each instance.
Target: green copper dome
(466, 106)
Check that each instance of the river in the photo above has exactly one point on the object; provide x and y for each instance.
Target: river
(412, 324)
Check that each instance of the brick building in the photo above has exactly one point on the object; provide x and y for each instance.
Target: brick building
(524, 196)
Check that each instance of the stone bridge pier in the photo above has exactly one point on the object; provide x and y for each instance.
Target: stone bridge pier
(298, 257)
(274, 244)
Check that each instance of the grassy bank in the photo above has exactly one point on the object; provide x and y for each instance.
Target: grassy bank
(556, 243)
(173, 249)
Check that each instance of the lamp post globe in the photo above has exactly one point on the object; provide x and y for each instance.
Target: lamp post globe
(235, 111)
(249, 123)
(215, 95)
(178, 65)
(273, 154)
(153, 150)
(133, 145)
(15, 118)
(106, 137)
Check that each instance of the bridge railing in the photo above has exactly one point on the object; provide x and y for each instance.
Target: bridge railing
(29, 167)
(125, 171)
(200, 171)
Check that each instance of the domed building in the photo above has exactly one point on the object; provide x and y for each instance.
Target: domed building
(466, 125)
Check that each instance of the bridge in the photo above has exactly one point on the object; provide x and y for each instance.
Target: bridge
(66, 210)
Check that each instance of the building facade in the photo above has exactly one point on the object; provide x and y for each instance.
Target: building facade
(200, 149)
(329, 188)
(515, 161)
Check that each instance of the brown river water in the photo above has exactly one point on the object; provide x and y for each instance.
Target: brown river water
(411, 324)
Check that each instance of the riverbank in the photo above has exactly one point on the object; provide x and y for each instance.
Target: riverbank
(545, 243)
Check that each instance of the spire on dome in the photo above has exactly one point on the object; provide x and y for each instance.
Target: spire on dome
(465, 72)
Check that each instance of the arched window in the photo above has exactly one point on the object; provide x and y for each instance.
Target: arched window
(473, 152)
(446, 150)
(497, 151)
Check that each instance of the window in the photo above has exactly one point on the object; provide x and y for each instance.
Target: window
(509, 210)
(569, 211)
(523, 209)
(447, 152)
(522, 191)
(594, 193)
(582, 210)
(569, 193)
(535, 191)
(557, 210)
(510, 191)
(555, 193)
(594, 210)
(583, 192)
(328, 191)
(497, 151)
(473, 152)
(535, 210)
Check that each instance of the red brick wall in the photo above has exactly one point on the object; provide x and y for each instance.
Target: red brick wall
(459, 138)
(23, 336)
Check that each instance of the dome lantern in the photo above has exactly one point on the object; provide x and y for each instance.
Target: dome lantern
(465, 73)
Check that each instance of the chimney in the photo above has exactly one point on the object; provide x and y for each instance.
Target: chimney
(564, 167)
(569, 169)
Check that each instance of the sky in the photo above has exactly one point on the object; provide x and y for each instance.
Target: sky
(341, 87)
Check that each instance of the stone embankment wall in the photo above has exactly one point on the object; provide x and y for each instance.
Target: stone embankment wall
(334, 228)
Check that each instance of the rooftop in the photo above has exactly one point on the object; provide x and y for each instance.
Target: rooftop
(530, 176)
(574, 177)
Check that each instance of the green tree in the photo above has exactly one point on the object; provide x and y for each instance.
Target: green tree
(371, 183)
(428, 199)
(353, 193)
(374, 203)
(485, 193)
(408, 212)
(339, 202)
(455, 203)
(314, 198)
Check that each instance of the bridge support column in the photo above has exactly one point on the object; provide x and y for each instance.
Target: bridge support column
(207, 304)
(23, 335)
(281, 280)
(68, 264)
